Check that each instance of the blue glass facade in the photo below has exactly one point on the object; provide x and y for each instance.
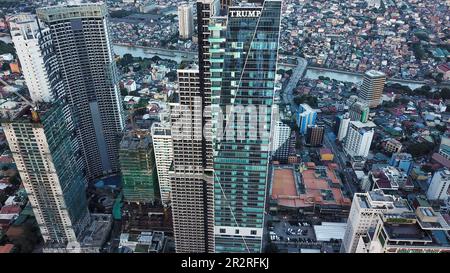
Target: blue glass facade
(403, 161)
(243, 68)
(305, 116)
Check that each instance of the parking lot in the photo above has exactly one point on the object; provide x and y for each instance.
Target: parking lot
(287, 232)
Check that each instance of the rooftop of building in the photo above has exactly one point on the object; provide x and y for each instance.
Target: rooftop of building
(146, 241)
(283, 183)
(445, 141)
(362, 125)
(188, 68)
(136, 140)
(314, 185)
(20, 111)
(7, 248)
(430, 219)
(66, 11)
(361, 105)
(329, 230)
(423, 227)
(394, 141)
(306, 108)
(22, 22)
(145, 217)
(384, 178)
(397, 231)
(402, 156)
(91, 238)
(161, 129)
(98, 230)
(375, 73)
(325, 151)
(378, 199)
(445, 172)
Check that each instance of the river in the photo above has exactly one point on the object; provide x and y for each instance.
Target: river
(311, 73)
(314, 73)
(173, 55)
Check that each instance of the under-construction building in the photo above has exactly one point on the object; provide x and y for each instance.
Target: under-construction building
(137, 162)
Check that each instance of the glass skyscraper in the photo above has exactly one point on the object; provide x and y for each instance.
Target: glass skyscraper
(244, 49)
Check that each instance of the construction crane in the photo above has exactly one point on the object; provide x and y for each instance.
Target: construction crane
(34, 114)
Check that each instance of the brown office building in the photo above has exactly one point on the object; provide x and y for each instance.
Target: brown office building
(314, 135)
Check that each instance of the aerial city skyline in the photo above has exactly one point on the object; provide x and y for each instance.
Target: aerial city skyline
(211, 126)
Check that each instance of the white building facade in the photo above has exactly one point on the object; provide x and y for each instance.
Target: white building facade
(281, 137)
(364, 212)
(185, 21)
(344, 121)
(359, 138)
(163, 149)
(34, 49)
(439, 185)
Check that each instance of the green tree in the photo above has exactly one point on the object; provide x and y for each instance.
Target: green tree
(155, 58)
(14, 180)
(5, 66)
(439, 77)
(120, 13)
(172, 76)
(420, 149)
(126, 60)
(310, 100)
(419, 52)
(3, 198)
(123, 92)
(426, 168)
(441, 128)
(423, 36)
(6, 48)
(445, 93)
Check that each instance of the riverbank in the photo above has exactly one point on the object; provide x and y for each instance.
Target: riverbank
(147, 52)
(312, 73)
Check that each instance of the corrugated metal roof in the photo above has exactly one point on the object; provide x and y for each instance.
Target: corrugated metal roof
(328, 231)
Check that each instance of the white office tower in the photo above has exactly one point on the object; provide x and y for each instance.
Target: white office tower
(185, 21)
(34, 49)
(163, 150)
(82, 45)
(366, 207)
(343, 122)
(281, 136)
(439, 185)
(372, 88)
(359, 138)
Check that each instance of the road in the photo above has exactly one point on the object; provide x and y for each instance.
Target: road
(297, 74)
(349, 181)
